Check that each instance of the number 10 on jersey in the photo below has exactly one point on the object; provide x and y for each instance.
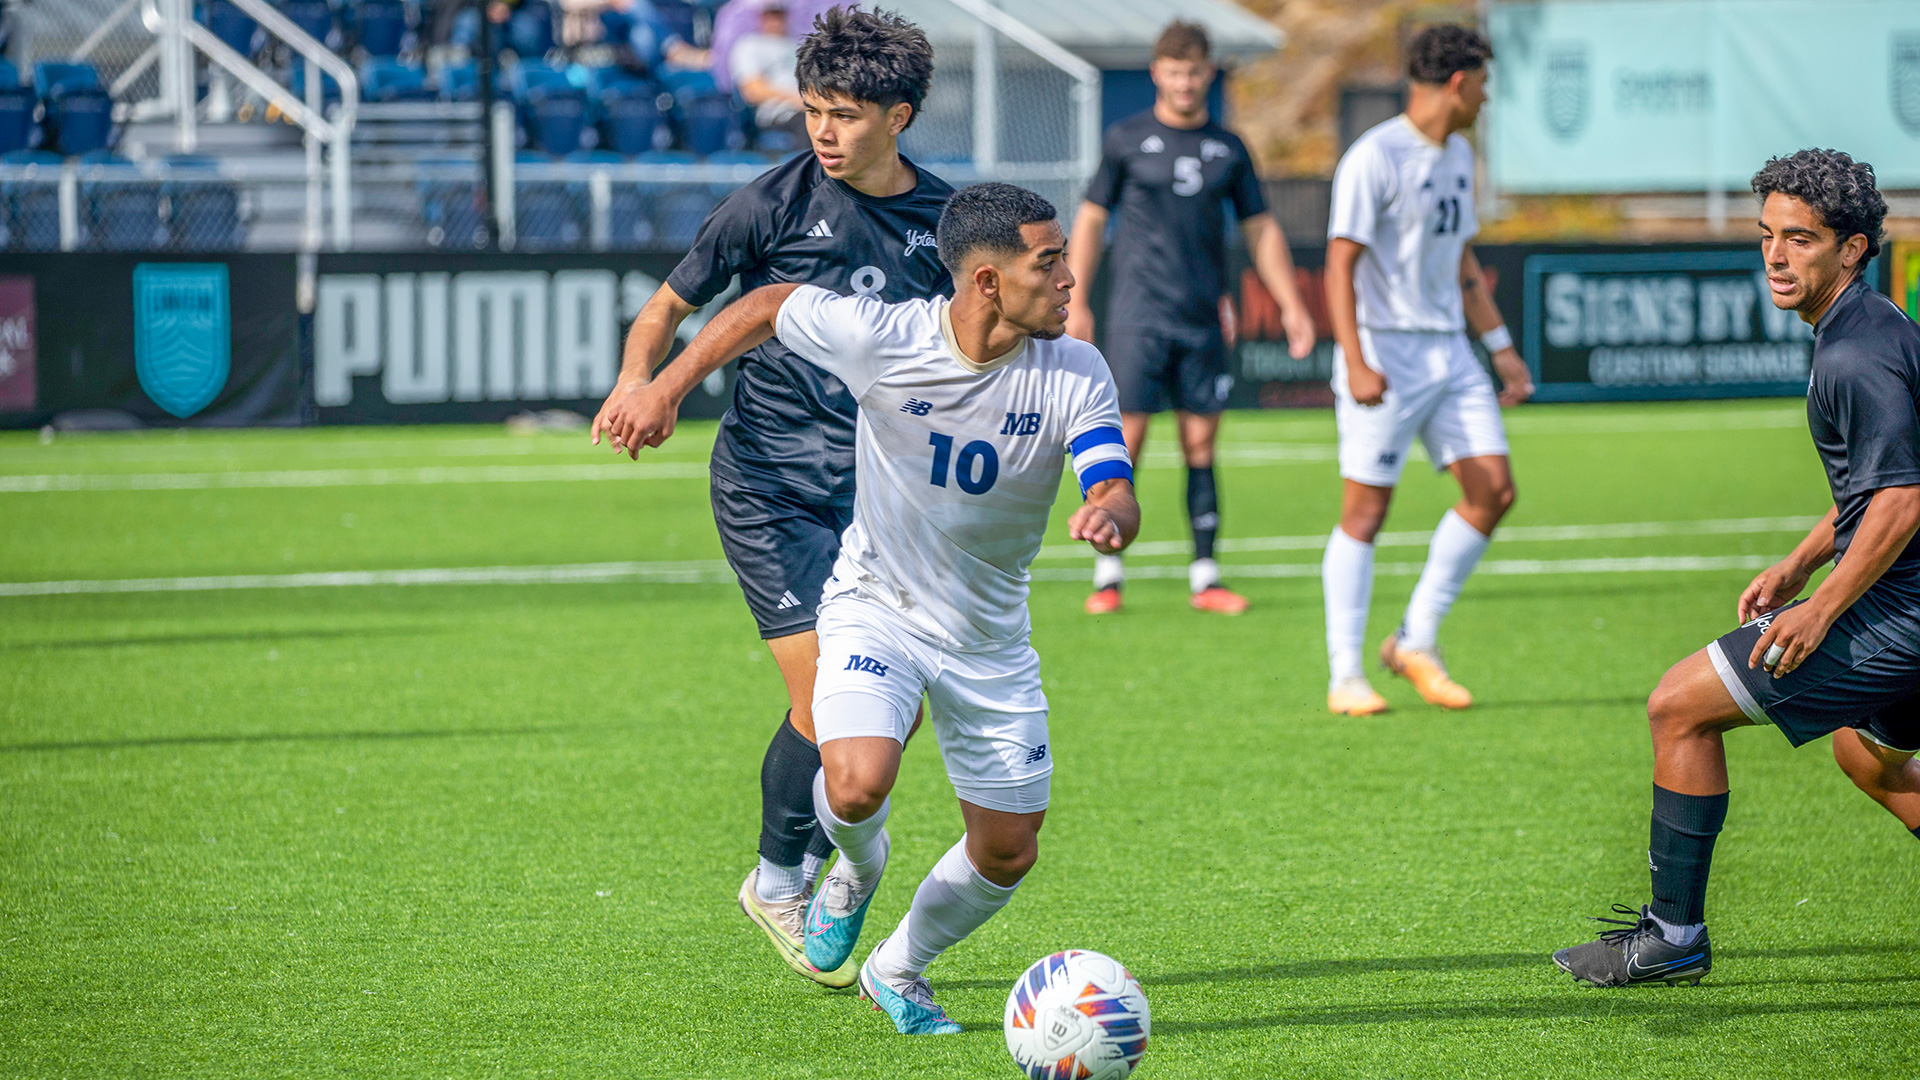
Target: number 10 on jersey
(975, 471)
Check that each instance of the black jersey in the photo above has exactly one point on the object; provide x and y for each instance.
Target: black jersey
(790, 429)
(1863, 406)
(1169, 233)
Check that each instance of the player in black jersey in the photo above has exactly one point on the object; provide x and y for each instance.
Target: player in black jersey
(1846, 660)
(854, 216)
(1166, 176)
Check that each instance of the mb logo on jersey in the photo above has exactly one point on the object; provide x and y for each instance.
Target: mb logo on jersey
(917, 240)
(1904, 75)
(1564, 95)
(1021, 424)
(868, 664)
(181, 334)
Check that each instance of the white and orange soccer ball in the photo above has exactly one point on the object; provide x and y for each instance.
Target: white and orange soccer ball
(1077, 1015)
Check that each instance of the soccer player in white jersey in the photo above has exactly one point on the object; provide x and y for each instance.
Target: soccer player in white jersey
(1403, 288)
(967, 410)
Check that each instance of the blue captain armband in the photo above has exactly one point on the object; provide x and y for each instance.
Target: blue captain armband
(1100, 455)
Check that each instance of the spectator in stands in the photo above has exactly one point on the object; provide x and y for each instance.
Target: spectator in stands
(655, 44)
(738, 18)
(762, 65)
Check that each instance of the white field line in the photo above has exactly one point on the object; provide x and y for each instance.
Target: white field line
(318, 478)
(1544, 533)
(713, 571)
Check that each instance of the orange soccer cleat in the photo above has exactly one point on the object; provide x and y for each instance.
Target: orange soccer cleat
(1423, 668)
(1353, 697)
(1219, 600)
(1104, 601)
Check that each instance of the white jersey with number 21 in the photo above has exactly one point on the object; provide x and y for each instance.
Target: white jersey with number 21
(1409, 200)
(956, 463)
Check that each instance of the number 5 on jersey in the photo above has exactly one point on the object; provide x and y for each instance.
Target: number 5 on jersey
(975, 472)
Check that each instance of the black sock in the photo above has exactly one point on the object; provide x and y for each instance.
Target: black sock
(1203, 510)
(1680, 852)
(1916, 833)
(787, 824)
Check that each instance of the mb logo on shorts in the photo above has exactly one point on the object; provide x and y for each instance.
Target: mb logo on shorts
(856, 662)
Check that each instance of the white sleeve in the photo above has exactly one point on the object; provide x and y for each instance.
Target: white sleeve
(840, 334)
(1362, 184)
(1093, 437)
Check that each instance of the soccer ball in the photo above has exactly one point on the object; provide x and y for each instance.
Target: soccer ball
(1077, 1015)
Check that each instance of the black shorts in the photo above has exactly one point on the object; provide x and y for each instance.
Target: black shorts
(1157, 368)
(1865, 675)
(782, 550)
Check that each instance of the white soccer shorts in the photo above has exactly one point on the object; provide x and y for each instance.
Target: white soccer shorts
(987, 708)
(1436, 389)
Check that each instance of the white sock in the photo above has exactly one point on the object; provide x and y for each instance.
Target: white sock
(862, 844)
(1346, 577)
(951, 903)
(1675, 933)
(777, 882)
(810, 867)
(1451, 556)
(1108, 571)
(1202, 574)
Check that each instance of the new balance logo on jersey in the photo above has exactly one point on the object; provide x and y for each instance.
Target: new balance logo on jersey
(787, 600)
(1389, 458)
(820, 228)
(856, 662)
(1213, 148)
(1037, 754)
(917, 407)
(917, 240)
(1153, 145)
(1021, 424)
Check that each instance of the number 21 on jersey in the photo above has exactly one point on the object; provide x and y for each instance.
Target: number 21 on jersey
(977, 467)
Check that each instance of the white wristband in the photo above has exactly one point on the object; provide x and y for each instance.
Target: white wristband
(1497, 338)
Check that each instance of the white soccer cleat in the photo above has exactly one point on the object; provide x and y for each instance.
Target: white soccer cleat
(784, 922)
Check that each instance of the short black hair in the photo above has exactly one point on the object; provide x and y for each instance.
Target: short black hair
(988, 216)
(1437, 52)
(872, 56)
(1840, 189)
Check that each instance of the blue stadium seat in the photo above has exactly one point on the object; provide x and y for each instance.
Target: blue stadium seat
(234, 28)
(384, 79)
(122, 211)
(631, 122)
(79, 120)
(708, 124)
(382, 26)
(32, 209)
(460, 82)
(530, 30)
(676, 17)
(525, 78)
(51, 77)
(556, 117)
(203, 212)
(688, 82)
(9, 75)
(16, 117)
(313, 16)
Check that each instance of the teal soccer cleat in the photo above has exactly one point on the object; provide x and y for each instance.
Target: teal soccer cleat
(907, 1002)
(835, 915)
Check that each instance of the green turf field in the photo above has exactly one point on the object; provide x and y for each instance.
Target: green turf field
(492, 823)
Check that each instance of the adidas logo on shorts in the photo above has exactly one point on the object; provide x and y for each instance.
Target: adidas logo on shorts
(787, 600)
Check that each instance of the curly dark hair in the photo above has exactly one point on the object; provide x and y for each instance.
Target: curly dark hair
(1437, 52)
(988, 216)
(872, 56)
(1840, 189)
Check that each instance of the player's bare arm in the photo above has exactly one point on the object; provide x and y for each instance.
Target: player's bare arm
(1369, 387)
(1274, 263)
(1109, 519)
(1892, 517)
(1777, 585)
(740, 326)
(1483, 318)
(1084, 249)
(634, 402)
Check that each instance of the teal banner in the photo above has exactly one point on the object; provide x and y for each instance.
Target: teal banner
(1695, 95)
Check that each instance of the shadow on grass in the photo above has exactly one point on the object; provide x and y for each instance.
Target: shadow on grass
(1635, 701)
(276, 737)
(227, 638)
(1668, 1014)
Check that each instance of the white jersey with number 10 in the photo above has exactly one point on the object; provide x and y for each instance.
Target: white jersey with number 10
(957, 463)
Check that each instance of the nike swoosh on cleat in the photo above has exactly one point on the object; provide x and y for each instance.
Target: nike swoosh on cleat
(1642, 972)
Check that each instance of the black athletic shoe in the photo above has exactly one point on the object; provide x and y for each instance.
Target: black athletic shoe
(1636, 953)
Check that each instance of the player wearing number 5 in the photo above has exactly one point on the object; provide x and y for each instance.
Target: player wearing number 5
(1402, 289)
(967, 411)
